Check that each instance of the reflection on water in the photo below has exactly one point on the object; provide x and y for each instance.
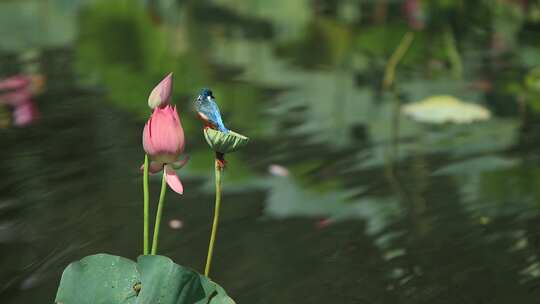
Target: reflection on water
(338, 198)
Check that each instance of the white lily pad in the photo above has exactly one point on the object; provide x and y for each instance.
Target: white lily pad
(440, 109)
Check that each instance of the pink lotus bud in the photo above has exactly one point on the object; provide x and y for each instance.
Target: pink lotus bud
(161, 94)
(163, 141)
(163, 136)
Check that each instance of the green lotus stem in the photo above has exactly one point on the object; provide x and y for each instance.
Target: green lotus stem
(390, 70)
(146, 205)
(159, 213)
(216, 220)
(453, 53)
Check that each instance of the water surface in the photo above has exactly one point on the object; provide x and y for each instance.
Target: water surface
(367, 206)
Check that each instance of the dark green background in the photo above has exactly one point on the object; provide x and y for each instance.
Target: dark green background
(377, 208)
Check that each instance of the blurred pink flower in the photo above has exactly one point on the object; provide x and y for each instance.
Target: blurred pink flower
(15, 98)
(161, 94)
(278, 170)
(163, 141)
(323, 223)
(25, 113)
(415, 14)
(14, 82)
(15, 92)
(176, 224)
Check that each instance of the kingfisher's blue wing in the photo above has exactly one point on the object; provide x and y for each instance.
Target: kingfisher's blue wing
(211, 110)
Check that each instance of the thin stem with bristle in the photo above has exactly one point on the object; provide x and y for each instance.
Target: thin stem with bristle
(159, 213)
(390, 70)
(146, 205)
(216, 219)
(453, 53)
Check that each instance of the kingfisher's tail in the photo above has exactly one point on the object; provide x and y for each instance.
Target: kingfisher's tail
(221, 127)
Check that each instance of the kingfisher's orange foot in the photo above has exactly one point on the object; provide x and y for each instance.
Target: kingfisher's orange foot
(209, 126)
(221, 163)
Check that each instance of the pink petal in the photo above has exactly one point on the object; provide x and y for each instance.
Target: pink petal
(153, 168)
(278, 170)
(25, 114)
(176, 224)
(14, 82)
(173, 181)
(179, 164)
(147, 142)
(323, 223)
(15, 98)
(161, 94)
(163, 135)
